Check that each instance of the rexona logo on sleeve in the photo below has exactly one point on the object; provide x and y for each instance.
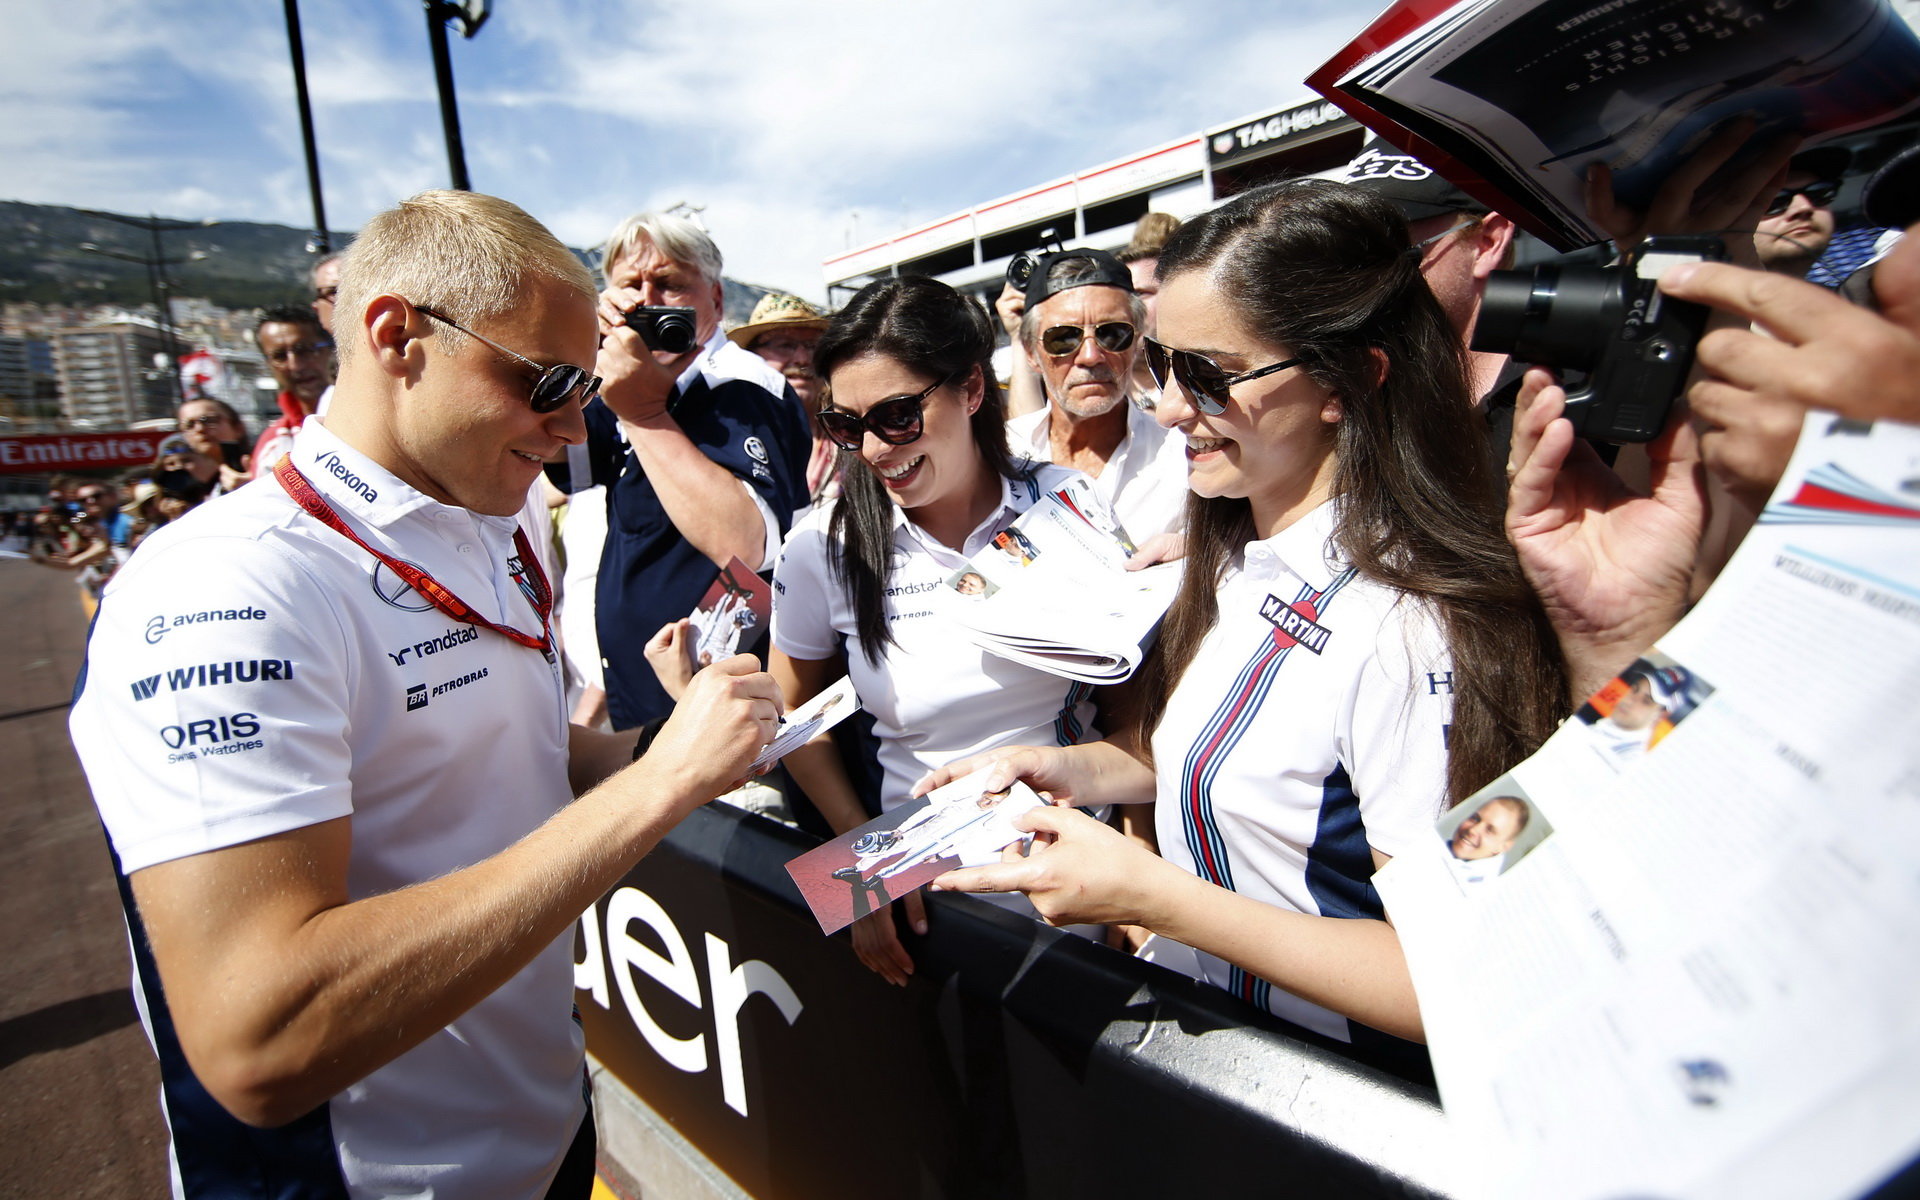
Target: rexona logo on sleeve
(180, 679)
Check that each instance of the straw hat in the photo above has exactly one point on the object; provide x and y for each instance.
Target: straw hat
(777, 310)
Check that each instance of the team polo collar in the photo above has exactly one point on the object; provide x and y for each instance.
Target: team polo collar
(700, 363)
(1304, 549)
(356, 484)
(1017, 494)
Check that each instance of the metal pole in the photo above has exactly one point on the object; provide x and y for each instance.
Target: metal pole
(164, 291)
(449, 107)
(322, 241)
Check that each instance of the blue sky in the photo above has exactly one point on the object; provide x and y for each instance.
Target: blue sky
(784, 120)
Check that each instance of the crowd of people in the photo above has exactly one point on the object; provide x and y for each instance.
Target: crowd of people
(413, 725)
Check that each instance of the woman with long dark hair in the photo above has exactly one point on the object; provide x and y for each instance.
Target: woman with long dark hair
(860, 585)
(1353, 646)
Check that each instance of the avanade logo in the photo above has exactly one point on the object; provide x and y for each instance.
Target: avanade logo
(160, 626)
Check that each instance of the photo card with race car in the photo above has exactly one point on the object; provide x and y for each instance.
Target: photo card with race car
(732, 617)
(832, 706)
(959, 825)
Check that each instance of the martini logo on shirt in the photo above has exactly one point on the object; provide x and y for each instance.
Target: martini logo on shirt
(1295, 624)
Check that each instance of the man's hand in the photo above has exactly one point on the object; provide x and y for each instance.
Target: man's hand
(1611, 566)
(729, 713)
(1817, 350)
(667, 654)
(876, 939)
(635, 382)
(1698, 197)
(1079, 872)
(1011, 305)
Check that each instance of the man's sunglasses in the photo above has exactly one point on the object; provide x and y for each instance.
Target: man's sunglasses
(1818, 194)
(1201, 377)
(556, 385)
(897, 420)
(1062, 340)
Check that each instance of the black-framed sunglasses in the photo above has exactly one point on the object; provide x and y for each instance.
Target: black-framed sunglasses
(1203, 379)
(1112, 336)
(557, 384)
(897, 420)
(1818, 194)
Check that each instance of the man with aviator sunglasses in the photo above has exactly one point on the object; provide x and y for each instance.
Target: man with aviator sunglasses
(1798, 225)
(1081, 334)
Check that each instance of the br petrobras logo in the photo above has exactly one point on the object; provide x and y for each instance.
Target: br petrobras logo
(395, 590)
(416, 697)
(756, 449)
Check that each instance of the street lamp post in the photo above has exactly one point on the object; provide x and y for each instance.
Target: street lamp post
(156, 265)
(471, 14)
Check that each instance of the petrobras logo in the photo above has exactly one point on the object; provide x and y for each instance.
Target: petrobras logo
(416, 697)
(160, 626)
(180, 679)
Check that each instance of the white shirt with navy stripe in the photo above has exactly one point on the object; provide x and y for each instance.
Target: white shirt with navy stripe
(253, 672)
(1309, 729)
(934, 696)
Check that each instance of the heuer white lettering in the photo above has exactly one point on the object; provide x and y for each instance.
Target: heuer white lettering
(1280, 125)
(344, 474)
(728, 986)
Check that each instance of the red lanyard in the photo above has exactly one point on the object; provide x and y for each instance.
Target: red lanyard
(430, 588)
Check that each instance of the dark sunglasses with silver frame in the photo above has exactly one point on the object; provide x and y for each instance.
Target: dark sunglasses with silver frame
(1115, 337)
(556, 384)
(897, 420)
(1204, 380)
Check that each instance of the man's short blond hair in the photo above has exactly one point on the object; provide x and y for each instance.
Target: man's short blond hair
(464, 254)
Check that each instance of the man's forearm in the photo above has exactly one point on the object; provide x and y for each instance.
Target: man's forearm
(707, 503)
(339, 989)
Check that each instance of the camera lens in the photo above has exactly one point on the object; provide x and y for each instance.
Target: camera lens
(674, 333)
(1555, 316)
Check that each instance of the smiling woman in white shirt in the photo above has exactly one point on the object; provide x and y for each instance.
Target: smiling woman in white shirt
(860, 588)
(1353, 647)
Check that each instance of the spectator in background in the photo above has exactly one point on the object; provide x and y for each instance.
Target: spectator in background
(704, 454)
(1080, 330)
(1142, 256)
(1011, 368)
(1798, 225)
(184, 476)
(783, 330)
(1461, 242)
(299, 352)
(214, 429)
(326, 285)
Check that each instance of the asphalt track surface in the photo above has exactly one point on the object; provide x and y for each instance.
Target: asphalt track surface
(79, 1091)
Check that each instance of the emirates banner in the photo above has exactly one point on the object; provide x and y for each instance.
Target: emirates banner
(46, 453)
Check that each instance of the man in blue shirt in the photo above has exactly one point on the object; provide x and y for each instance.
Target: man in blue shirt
(703, 453)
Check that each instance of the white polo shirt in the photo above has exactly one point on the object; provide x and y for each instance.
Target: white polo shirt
(1309, 729)
(935, 695)
(1144, 483)
(253, 672)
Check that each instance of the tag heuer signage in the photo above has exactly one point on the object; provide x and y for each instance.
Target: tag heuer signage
(1263, 135)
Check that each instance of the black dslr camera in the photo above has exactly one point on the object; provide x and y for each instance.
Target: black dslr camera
(666, 329)
(1633, 345)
